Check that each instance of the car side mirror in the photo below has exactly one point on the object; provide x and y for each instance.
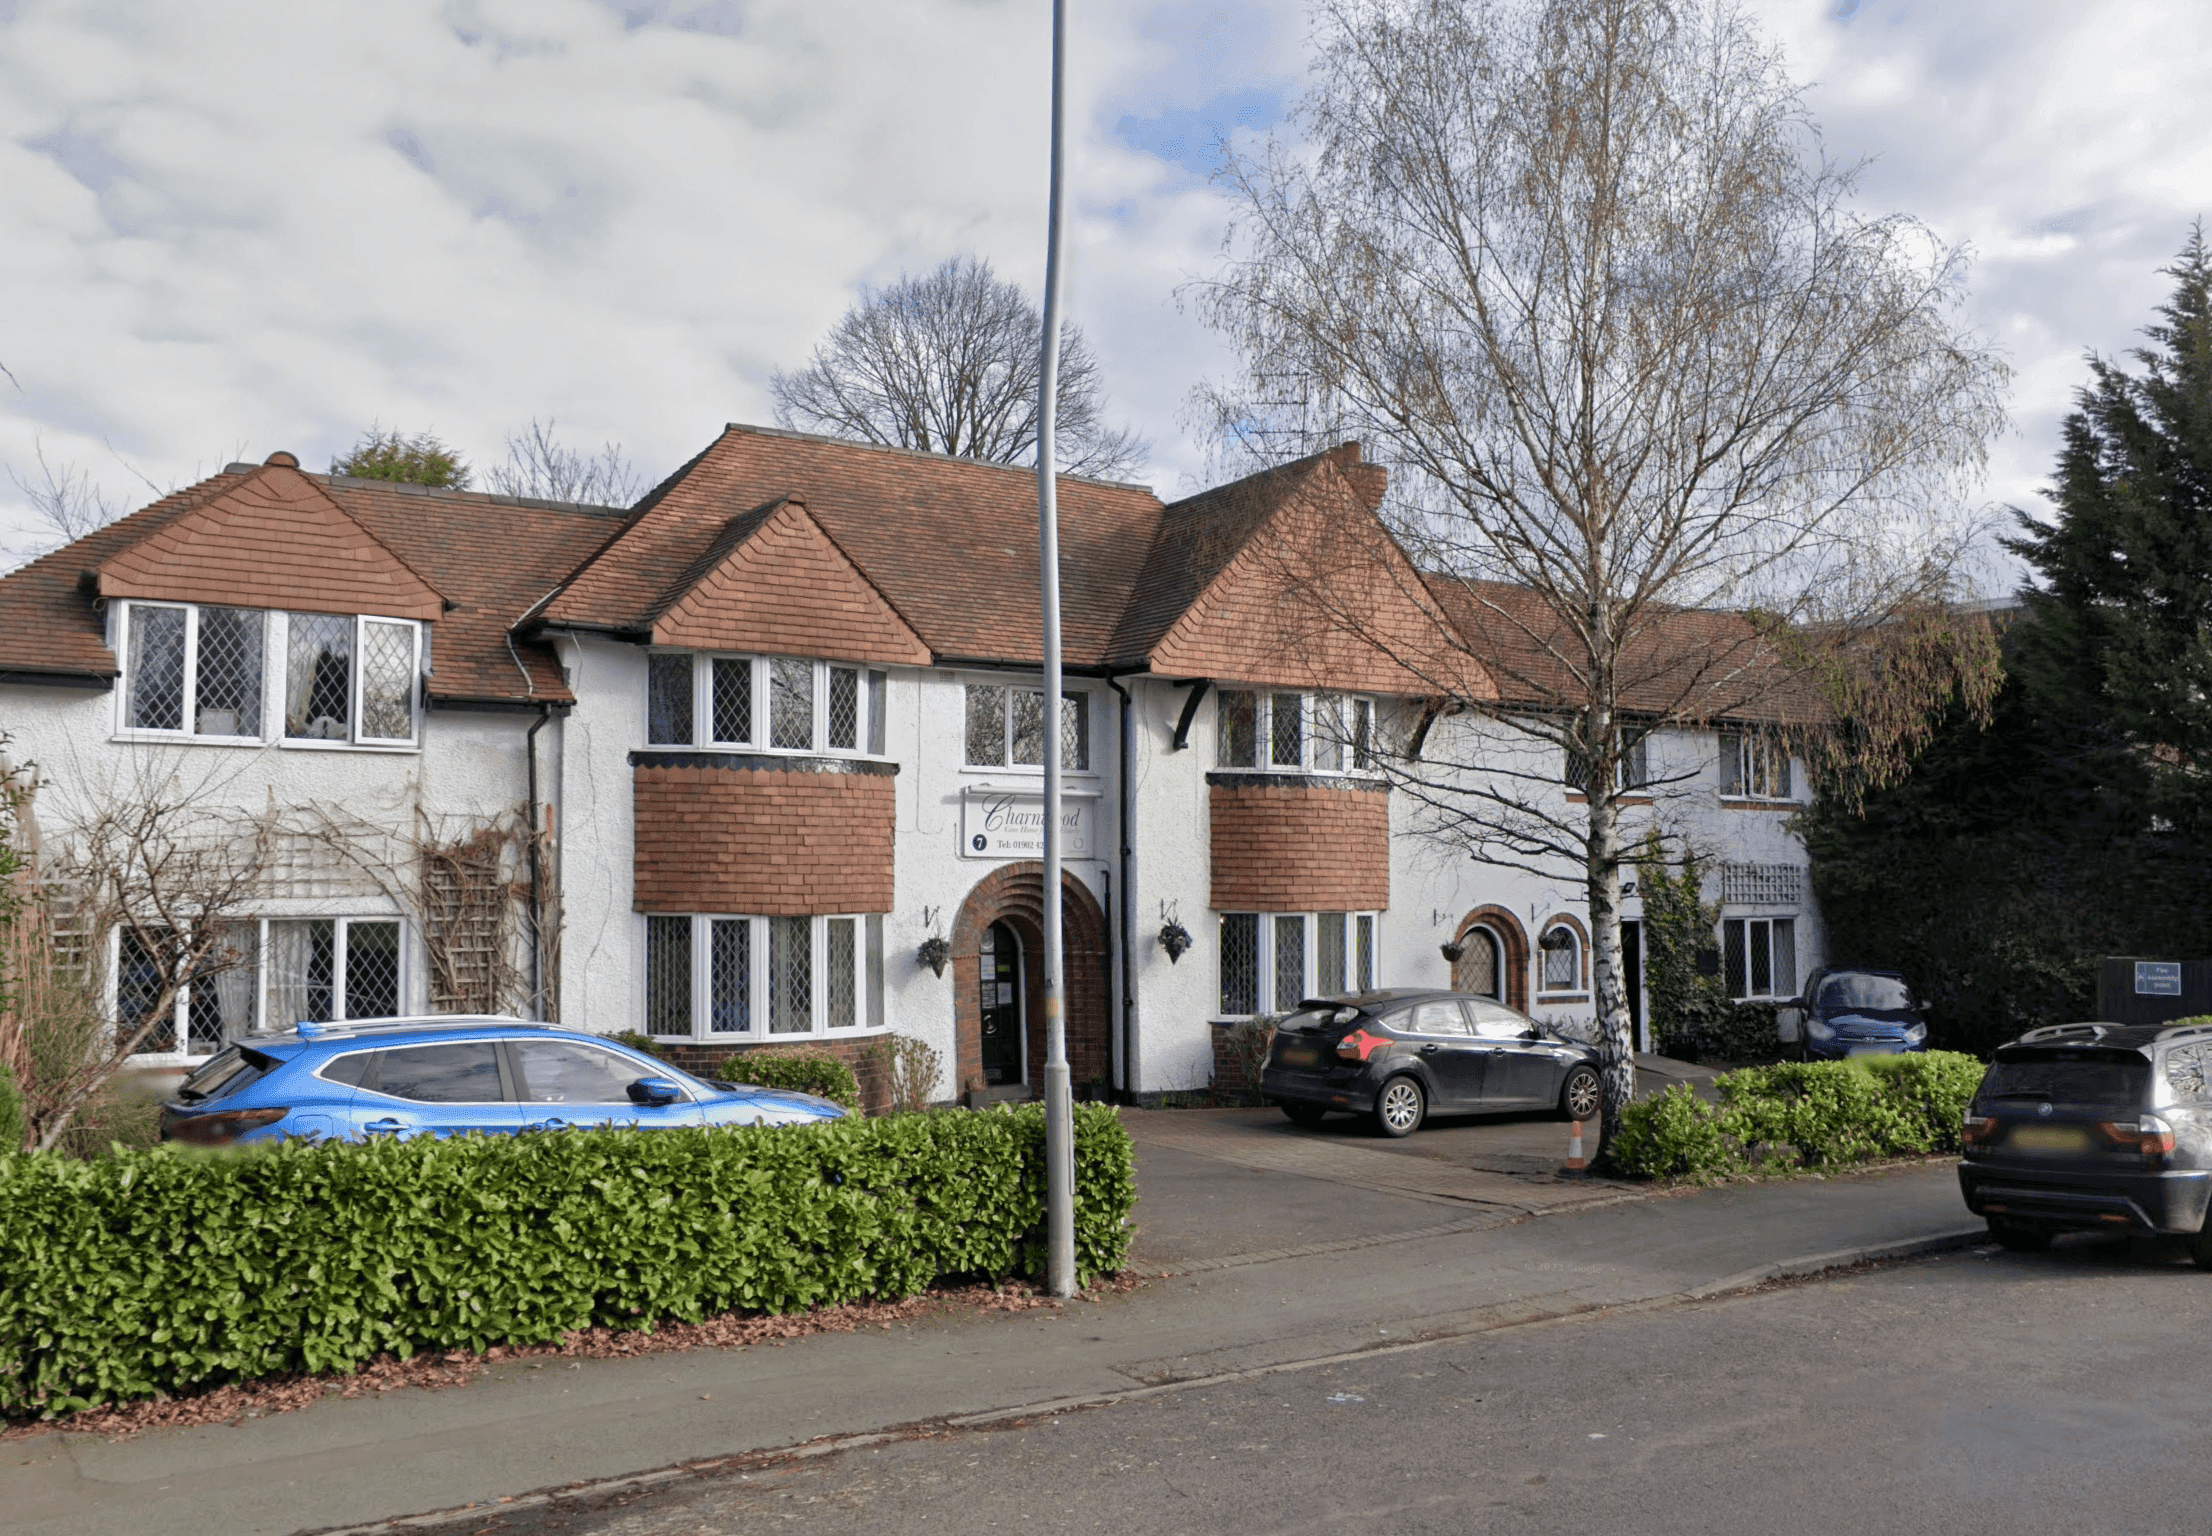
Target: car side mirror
(654, 1092)
(1533, 1032)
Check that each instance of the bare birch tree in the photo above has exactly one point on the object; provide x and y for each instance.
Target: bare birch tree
(541, 466)
(947, 363)
(1677, 436)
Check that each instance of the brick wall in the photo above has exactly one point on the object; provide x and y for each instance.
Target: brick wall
(778, 842)
(1299, 847)
(1014, 894)
(726, 1062)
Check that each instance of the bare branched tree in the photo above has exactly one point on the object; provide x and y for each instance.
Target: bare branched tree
(66, 499)
(947, 363)
(541, 466)
(1677, 437)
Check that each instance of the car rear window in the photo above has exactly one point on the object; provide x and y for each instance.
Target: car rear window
(2069, 1078)
(230, 1071)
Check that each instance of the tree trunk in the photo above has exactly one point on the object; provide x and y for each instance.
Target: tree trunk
(1604, 874)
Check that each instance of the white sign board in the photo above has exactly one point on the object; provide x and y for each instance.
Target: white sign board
(1010, 824)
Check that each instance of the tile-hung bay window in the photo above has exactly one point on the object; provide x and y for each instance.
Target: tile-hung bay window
(193, 670)
(1754, 765)
(265, 974)
(754, 978)
(1005, 728)
(763, 704)
(1759, 956)
(1294, 732)
(1270, 961)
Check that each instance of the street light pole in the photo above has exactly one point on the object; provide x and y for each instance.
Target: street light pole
(1059, 1109)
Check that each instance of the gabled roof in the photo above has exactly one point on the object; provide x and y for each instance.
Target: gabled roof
(949, 544)
(774, 581)
(274, 539)
(489, 557)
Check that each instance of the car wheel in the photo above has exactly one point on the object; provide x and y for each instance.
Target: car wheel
(1582, 1097)
(2020, 1239)
(1302, 1113)
(1400, 1107)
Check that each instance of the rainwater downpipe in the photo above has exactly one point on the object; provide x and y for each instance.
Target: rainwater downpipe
(537, 870)
(1125, 910)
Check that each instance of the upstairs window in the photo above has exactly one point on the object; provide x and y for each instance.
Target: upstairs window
(763, 703)
(1755, 765)
(200, 671)
(1631, 770)
(1294, 732)
(1006, 728)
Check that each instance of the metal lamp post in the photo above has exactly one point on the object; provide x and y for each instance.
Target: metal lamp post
(1059, 1109)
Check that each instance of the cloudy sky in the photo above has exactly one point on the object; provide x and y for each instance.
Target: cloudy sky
(244, 225)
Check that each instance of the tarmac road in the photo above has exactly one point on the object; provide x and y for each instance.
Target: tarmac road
(1974, 1392)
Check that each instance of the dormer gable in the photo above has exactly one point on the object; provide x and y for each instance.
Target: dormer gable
(772, 581)
(276, 540)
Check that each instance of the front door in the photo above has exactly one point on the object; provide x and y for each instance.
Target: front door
(1001, 1009)
(1632, 980)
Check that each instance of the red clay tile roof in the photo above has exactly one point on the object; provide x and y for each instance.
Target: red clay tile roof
(951, 544)
(491, 557)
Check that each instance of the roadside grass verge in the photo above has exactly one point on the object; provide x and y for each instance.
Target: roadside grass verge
(169, 1272)
(1799, 1116)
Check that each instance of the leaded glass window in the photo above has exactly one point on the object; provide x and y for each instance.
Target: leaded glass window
(668, 700)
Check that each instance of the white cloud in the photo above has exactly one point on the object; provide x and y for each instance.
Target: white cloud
(240, 227)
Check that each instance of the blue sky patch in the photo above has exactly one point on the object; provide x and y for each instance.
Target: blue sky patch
(1187, 135)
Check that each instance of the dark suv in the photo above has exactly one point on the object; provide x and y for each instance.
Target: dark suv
(2093, 1128)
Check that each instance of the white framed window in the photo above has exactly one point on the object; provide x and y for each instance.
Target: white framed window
(1755, 765)
(764, 704)
(1559, 959)
(1004, 727)
(733, 977)
(1285, 732)
(1270, 961)
(1631, 770)
(267, 974)
(351, 679)
(1759, 956)
(191, 670)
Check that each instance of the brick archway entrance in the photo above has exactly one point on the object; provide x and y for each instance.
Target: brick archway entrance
(1014, 895)
(1512, 954)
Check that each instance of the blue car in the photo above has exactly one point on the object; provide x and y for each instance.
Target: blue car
(449, 1075)
(1852, 1011)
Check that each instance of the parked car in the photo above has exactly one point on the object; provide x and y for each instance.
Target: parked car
(1848, 1010)
(443, 1076)
(2093, 1127)
(1395, 1056)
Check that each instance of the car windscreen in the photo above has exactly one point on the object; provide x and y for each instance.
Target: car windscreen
(1855, 990)
(2069, 1077)
(230, 1071)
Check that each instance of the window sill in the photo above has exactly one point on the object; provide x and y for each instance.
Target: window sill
(184, 739)
(1752, 803)
(1559, 999)
(386, 749)
(1027, 773)
(749, 1037)
(1632, 797)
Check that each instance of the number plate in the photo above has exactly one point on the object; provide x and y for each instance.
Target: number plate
(2049, 1138)
(1301, 1056)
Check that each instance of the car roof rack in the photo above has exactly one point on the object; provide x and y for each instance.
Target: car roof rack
(2184, 1031)
(346, 1029)
(2063, 1032)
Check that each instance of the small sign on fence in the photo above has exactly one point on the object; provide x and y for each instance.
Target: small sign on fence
(2158, 978)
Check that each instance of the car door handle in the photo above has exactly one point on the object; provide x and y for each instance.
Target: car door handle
(550, 1125)
(384, 1127)
(1430, 1049)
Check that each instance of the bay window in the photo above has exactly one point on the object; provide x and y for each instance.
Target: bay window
(1005, 728)
(197, 670)
(1294, 732)
(763, 704)
(1270, 962)
(712, 977)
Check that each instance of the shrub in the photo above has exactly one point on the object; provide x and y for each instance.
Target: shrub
(11, 1112)
(799, 1071)
(643, 1044)
(910, 1069)
(1829, 1112)
(171, 1271)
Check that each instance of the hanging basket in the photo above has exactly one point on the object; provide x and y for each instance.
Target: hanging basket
(934, 953)
(1175, 939)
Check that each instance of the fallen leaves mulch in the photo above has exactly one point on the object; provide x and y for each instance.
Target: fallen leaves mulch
(436, 1370)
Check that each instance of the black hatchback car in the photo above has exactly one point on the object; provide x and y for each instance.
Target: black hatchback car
(1395, 1056)
(2093, 1127)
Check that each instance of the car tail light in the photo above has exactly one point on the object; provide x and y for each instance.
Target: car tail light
(1979, 1130)
(2149, 1135)
(1359, 1045)
(219, 1129)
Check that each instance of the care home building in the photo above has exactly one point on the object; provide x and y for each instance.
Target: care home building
(759, 761)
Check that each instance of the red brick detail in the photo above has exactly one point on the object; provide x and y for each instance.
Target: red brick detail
(780, 843)
(725, 1061)
(277, 540)
(785, 587)
(1512, 947)
(1574, 925)
(1013, 894)
(1299, 848)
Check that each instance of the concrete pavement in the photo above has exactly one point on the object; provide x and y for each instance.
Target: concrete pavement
(1278, 1267)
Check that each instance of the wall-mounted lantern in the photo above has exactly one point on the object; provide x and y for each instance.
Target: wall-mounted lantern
(1174, 938)
(934, 953)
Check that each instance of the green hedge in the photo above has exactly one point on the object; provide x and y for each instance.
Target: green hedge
(803, 1071)
(170, 1271)
(1829, 1112)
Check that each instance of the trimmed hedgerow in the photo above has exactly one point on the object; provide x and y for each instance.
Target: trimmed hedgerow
(171, 1271)
(798, 1071)
(1815, 1114)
